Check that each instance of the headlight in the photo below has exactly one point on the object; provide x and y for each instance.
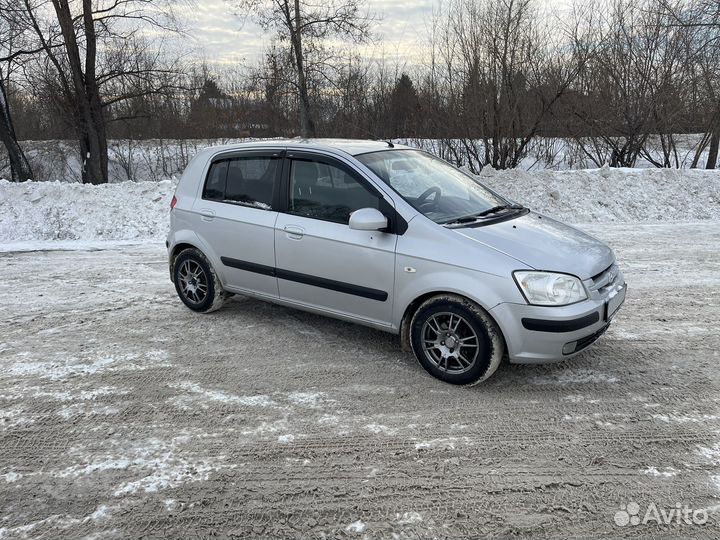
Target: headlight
(549, 288)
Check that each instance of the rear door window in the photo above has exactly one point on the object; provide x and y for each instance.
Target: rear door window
(249, 181)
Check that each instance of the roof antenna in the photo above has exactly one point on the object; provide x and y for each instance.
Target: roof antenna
(373, 137)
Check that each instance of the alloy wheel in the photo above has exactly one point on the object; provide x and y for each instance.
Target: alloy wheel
(450, 342)
(193, 281)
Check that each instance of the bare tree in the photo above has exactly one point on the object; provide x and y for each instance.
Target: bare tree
(81, 42)
(19, 167)
(702, 17)
(499, 70)
(304, 25)
(12, 49)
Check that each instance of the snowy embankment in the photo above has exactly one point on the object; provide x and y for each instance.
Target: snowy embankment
(41, 211)
(608, 195)
(129, 211)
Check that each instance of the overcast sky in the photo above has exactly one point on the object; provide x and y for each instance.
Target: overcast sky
(222, 38)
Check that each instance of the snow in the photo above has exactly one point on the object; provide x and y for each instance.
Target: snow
(217, 395)
(408, 518)
(437, 444)
(153, 464)
(307, 399)
(64, 367)
(42, 215)
(356, 527)
(41, 211)
(602, 195)
(654, 471)
(574, 376)
(379, 428)
(11, 477)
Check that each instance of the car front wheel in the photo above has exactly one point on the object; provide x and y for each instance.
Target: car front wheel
(455, 340)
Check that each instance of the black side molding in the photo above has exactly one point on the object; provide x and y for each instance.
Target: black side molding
(339, 286)
(250, 267)
(542, 325)
(307, 279)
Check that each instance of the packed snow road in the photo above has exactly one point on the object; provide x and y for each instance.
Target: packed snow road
(123, 413)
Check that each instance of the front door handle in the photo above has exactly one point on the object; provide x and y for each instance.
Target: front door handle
(294, 232)
(207, 214)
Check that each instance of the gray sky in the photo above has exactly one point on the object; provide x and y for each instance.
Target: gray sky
(222, 38)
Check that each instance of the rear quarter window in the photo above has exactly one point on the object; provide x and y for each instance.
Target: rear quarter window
(215, 184)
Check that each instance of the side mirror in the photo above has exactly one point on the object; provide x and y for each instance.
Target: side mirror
(368, 219)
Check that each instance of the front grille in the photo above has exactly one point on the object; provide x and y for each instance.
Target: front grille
(605, 279)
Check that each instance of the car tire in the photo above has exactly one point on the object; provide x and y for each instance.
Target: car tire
(196, 282)
(455, 340)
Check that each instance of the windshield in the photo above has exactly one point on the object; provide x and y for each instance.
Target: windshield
(433, 187)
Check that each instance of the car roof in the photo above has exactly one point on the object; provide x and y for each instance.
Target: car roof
(353, 147)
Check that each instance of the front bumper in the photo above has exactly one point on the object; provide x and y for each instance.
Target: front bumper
(541, 334)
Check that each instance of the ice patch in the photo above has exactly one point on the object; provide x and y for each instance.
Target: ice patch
(19, 391)
(712, 454)
(219, 396)
(379, 428)
(716, 480)
(71, 367)
(408, 518)
(102, 513)
(87, 409)
(579, 398)
(163, 460)
(372, 472)
(11, 477)
(307, 399)
(14, 417)
(356, 527)
(578, 376)
(109, 464)
(266, 428)
(169, 472)
(286, 438)
(437, 444)
(653, 471)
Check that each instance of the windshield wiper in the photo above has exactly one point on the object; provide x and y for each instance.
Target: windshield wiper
(474, 217)
(466, 219)
(498, 208)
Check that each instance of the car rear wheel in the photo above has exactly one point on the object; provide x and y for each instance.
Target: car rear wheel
(455, 340)
(196, 283)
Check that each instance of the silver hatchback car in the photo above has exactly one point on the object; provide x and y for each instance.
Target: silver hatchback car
(394, 238)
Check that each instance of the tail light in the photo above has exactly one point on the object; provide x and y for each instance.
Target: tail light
(173, 202)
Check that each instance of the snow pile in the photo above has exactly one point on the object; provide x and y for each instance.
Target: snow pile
(40, 211)
(607, 194)
(33, 211)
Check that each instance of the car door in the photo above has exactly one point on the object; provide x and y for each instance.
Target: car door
(237, 218)
(321, 262)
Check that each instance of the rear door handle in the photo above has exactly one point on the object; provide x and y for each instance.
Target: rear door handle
(207, 214)
(294, 232)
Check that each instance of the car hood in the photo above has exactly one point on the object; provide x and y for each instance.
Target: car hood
(543, 243)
